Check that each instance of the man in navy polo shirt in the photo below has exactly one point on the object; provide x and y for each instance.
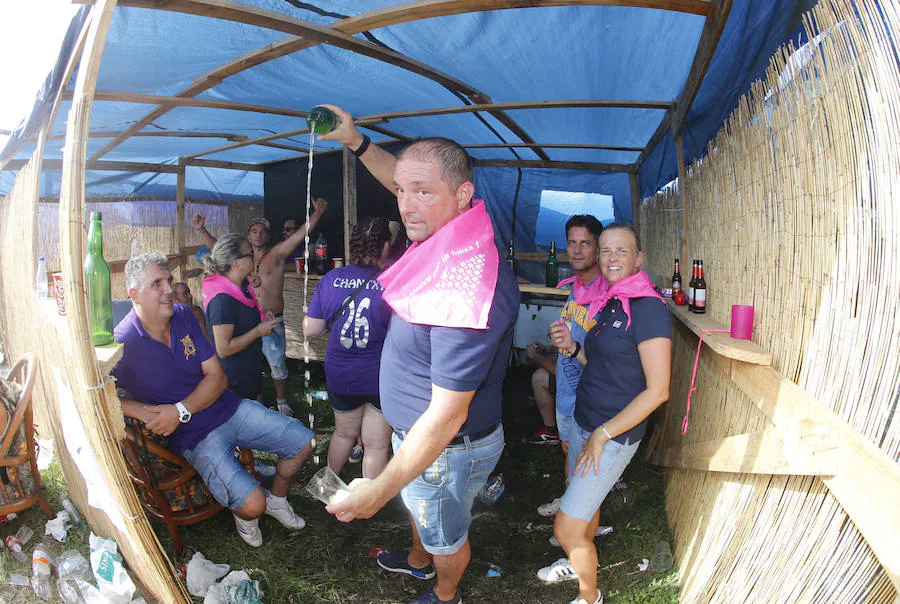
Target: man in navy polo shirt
(175, 384)
(440, 385)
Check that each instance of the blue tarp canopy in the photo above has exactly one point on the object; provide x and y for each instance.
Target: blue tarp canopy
(264, 62)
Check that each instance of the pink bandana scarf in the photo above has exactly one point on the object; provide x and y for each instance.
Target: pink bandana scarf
(220, 284)
(448, 280)
(597, 294)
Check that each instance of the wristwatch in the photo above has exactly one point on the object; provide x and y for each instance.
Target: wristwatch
(184, 416)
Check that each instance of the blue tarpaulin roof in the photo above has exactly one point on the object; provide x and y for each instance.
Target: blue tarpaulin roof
(558, 53)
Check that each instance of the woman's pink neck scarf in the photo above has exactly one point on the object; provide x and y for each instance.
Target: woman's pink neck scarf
(599, 292)
(220, 284)
(448, 280)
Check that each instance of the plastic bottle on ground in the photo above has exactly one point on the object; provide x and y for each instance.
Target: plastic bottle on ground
(40, 571)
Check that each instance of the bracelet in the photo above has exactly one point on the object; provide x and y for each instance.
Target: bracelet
(577, 350)
(362, 146)
(603, 427)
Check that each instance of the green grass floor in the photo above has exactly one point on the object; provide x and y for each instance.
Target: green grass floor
(329, 561)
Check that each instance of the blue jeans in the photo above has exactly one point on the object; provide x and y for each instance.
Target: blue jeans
(252, 426)
(584, 495)
(273, 347)
(567, 427)
(440, 499)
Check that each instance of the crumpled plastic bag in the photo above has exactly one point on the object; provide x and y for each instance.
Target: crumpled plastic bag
(112, 578)
(236, 588)
(72, 565)
(59, 526)
(75, 591)
(201, 573)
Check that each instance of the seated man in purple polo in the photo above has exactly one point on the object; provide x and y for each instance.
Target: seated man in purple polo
(177, 387)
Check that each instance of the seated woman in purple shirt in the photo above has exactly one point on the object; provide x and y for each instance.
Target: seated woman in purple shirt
(348, 302)
(236, 325)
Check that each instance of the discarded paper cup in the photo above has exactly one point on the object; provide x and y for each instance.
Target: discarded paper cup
(299, 262)
(741, 322)
(662, 559)
(327, 487)
(60, 292)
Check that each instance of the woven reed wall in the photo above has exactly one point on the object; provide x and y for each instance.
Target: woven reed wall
(792, 212)
(137, 226)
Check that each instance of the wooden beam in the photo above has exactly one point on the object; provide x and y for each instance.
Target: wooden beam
(225, 165)
(550, 146)
(541, 257)
(350, 211)
(682, 193)
(706, 47)
(492, 108)
(180, 101)
(430, 9)
(103, 165)
(807, 448)
(180, 188)
(556, 165)
(635, 186)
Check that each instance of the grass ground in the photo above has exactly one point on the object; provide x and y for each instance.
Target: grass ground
(330, 562)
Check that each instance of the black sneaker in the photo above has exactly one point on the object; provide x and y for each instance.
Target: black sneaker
(429, 597)
(544, 436)
(396, 562)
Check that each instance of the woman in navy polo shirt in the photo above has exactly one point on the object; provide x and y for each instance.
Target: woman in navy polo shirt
(233, 315)
(348, 303)
(626, 358)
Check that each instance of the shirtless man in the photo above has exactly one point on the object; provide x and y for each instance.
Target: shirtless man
(268, 280)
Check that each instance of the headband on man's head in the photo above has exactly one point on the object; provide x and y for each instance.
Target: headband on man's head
(258, 220)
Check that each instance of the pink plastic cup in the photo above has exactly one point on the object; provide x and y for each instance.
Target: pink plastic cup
(741, 322)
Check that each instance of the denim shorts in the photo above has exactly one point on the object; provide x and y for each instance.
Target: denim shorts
(273, 347)
(440, 499)
(584, 495)
(567, 427)
(252, 426)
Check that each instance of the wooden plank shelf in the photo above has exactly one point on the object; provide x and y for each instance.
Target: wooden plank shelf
(543, 291)
(107, 356)
(720, 343)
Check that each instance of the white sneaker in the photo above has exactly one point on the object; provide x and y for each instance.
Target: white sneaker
(601, 530)
(249, 531)
(285, 515)
(285, 410)
(561, 570)
(548, 510)
(599, 600)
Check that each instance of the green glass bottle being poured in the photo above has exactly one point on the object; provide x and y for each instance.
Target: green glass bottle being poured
(552, 267)
(321, 119)
(96, 283)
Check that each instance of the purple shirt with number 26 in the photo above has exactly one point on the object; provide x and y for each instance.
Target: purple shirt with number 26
(353, 355)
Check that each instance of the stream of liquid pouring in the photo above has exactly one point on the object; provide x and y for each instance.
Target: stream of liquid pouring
(307, 257)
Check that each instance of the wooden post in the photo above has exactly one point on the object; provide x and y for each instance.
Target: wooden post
(179, 216)
(682, 184)
(635, 183)
(349, 199)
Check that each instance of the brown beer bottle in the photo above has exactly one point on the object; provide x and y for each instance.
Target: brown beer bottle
(676, 278)
(700, 291)
(691, 285)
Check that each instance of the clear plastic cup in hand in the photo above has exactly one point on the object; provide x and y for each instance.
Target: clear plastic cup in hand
(327, 487)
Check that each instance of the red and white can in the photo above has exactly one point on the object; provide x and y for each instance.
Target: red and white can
(300, 262)
(337, 262)
(60, 291)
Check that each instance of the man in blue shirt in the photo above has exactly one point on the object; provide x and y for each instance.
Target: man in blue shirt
(582, 234)
(440, 385)
(174, 383)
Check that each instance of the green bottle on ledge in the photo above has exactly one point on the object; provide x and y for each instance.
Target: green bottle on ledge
(552, 267)
(96, 284)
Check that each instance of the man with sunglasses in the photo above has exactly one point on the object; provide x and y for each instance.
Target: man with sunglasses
(268, 280)
(289, 228)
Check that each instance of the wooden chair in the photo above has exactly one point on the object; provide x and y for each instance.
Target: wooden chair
(20, 480)
(170, 490)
